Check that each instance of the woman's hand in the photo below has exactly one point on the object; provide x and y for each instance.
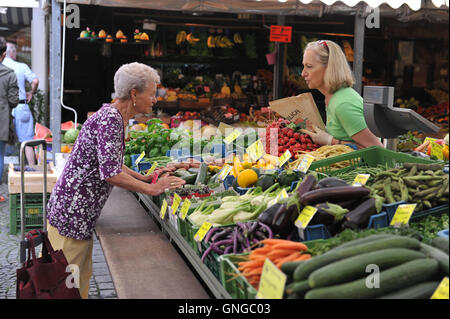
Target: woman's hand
(319, 136)
(170, 182)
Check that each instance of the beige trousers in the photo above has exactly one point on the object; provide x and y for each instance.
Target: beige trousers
(77, 252)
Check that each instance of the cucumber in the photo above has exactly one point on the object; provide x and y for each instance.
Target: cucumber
(424, 290)
(298, 288)
(289, 267)
(305, 269)
(353, 268)
(361, 241)
(438, 255)
(201, 176)
(393, 279)
(440, 243)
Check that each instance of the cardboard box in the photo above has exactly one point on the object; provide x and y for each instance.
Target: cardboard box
(34, 181)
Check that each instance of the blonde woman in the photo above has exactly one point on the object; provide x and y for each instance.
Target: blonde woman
(96, 165)
(326, 69)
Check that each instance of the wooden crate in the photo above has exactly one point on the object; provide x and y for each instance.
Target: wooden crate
(33, 180)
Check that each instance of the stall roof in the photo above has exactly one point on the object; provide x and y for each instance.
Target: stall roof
(403, 10)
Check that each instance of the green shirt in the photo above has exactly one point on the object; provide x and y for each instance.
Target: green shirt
(345, 114)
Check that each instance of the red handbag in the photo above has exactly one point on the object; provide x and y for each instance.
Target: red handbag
(44, 277)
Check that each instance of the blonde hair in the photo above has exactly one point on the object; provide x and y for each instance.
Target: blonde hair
(133, 76)
(338, 73)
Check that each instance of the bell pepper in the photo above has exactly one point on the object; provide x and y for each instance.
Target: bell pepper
(445, 151)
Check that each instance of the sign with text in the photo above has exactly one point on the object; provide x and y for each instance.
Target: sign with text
(280, 33)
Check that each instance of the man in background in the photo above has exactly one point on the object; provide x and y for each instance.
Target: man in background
(23, 119)
(9, 97)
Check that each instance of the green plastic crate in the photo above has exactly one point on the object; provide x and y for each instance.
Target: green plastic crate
(211, 261)
(369, 157)
(33, 212)
(232, 280)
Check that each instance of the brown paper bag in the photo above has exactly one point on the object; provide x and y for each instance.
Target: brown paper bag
(298, 107)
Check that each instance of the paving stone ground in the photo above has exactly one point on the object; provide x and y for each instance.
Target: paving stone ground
(101, 284)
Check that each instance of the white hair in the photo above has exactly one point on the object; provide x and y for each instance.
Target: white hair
(10, 50)
(133, 76)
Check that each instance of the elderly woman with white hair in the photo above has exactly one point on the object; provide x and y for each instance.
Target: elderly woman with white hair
(96, 165)
(326, 69)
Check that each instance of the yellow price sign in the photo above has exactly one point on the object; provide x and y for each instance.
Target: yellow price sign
(284, 158)
(305, 163)
(230, 138)
(185, 208)
(403, 214)
(361, 179)
(273, 280)
(176, 203)
(436, 151)
(138, 160)
(226, 169)
(152, 169)
(256, 150)
(33, 211)
(163, 210)
(442, 290)
(283, 194)
(305, 216)
(203, 230)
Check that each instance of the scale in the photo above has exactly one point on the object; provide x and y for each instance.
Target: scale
(387, 121)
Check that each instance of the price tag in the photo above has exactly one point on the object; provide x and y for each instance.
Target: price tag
(256, 150)
(403, 214)
(305, 163)
(361, 179)
(230, 138)
(33, 211)
(284, 158)
(185, 208)
(442, 290)
(203, 230)
(226, 169)
(280, 33)
(305, 216)
(152, 169)
(162, 213)
(137, 161)
(176, 203)
(436, 151)
(281, 195)
(273, 280)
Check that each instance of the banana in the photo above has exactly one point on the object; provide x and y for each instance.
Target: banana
(211, 42)
(237, 38)
(181, 37)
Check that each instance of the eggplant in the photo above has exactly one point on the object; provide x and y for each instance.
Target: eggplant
(283, 222)
(333, 194)
(351, 203)
(266, 217)
(359, 217)
(308, 184)
(331, 182)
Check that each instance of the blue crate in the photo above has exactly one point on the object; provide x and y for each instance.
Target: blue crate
(293, 186)
(242, 191)
(184, 158)
(314, 232)
(228, 181)
(143, 167)
(380, 220)
(443, 233)
(436, 211)
(179, 152)
(391, 208)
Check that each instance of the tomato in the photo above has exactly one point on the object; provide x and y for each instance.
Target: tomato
(297, 136)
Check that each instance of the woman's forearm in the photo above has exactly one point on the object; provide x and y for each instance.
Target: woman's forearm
(124, 180)
(135, 174)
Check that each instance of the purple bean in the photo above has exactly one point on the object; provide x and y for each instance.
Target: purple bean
(227, 249)
(216, 249)
(210, 233)
(235, 242)
(207, 251)
(220, 234)
(269, 231)
(223, 242)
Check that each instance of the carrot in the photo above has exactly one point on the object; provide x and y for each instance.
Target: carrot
(291, 257)
(274, 241)
(256, 271)
(304, 257)
(291, 245)
(279, 253)
(251, 264)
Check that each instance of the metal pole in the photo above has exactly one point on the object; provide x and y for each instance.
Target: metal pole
(358, 50)
(279, 65)
(55, 77)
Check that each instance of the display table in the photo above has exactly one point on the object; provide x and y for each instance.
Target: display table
(142, 261)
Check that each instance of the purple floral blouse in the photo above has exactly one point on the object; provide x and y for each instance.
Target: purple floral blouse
(81, 191)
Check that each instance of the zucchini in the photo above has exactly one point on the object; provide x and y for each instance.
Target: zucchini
(305, 269)
(193, 170)
(396, 278)
(298, 288)
(440, 243)
(333, 194)
(289, 267)
(201, 176)
(361, 241)
(438, 255)
(424, 290)
(181, 172)
(190, 179)
(353, 268)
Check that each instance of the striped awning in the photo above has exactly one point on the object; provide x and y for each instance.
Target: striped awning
(16, 17)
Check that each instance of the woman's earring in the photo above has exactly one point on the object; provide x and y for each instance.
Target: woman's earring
(134, 104)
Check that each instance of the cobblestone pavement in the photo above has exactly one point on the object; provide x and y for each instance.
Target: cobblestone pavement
(101, 285)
